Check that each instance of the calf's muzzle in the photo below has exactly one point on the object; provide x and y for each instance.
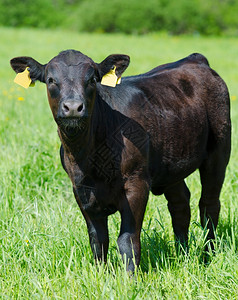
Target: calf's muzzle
(72, 108)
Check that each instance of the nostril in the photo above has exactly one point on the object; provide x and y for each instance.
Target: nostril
(80, 108)
(66, 108)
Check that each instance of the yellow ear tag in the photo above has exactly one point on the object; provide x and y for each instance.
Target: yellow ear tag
(23, 79)
(110, 79)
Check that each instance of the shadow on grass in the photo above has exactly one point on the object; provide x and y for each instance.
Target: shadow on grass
(227, 233)
(158, 249)
(158, 246)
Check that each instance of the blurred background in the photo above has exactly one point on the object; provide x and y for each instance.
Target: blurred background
(206, 17)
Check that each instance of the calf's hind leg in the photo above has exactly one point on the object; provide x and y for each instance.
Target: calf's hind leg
(178, 196)
(212, 173)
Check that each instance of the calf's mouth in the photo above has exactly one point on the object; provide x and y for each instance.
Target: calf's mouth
(71, 126)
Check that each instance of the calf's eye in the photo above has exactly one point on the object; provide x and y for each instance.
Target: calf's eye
(51, 80)
(92, 80)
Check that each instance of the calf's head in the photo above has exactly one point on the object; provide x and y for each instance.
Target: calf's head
(71, 79)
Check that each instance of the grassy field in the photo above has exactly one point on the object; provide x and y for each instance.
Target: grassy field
(44, 248)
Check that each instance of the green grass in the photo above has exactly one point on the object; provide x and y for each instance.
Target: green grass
(44, 248)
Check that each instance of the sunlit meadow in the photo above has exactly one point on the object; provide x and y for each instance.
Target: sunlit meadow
(44, 248)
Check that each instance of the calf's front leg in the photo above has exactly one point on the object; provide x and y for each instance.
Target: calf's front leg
(132, 214)
(98, 233)
(98, 237)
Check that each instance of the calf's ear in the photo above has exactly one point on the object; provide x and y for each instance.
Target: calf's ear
(37, 70)
(119, 61)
